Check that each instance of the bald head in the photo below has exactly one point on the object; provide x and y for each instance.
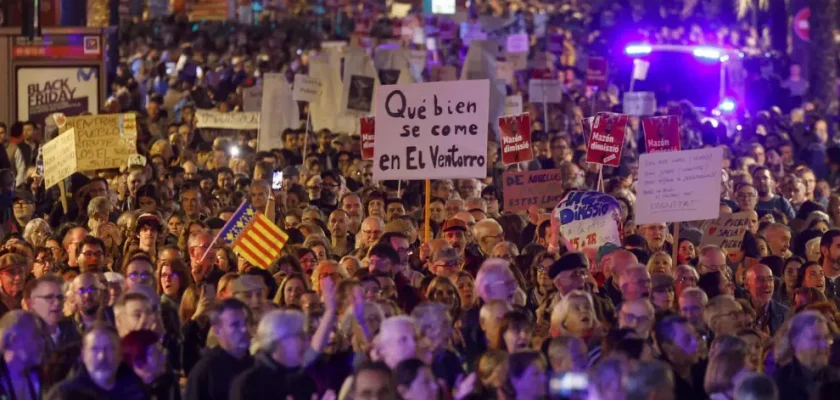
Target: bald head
(759, 282)
(616, 262)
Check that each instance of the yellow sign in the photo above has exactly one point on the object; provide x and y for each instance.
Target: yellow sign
(59, 158)
(103, 141)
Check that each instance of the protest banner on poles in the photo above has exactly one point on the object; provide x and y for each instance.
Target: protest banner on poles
(589, 218)
(102, 141)
(661, 133)
(368, 132)
(278, 104)
(727, 231)
(229, 120)
(542, 188)
(678, 186)
(516, 138)
(606, 140)
(59, 158)
(432, 130)
(545, 91)
(639, 103)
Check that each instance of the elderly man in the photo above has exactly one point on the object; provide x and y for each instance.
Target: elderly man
(723, 315)
(691, 303)
(770, 314)
(44, 298)
(655, 235)
(778, 239)
(635, 283)
(488, 233)
(372, 229)
(685, 276)
(469, 188)
(637, 315)
(352, 205)
(613, 262)
(570, 273)
(71, 243)
(204, 270)
(13, 269)
(712, 259)
(191, 204)
(454, 206)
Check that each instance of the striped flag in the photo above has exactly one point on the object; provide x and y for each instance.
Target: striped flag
(253, 236)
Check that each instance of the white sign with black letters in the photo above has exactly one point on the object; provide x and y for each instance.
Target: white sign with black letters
(432, 130)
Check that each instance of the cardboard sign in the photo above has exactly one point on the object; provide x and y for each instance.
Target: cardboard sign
(432, 130)
(542, 188)
(103, 141)
(228, 120)
(555, 43)
(661, 133)
(59, 158)
(306, 89)
(589, 219)
(607, 139)
(596, 72)
(639, 103)
(545, 91)
(367, 130)
(678, 186)
(640, 69)
(252, 99)
(518, 43)
(504, 70)
(726, 232)
(513, 105)
(518, 61)
(516, 138)
(440, 73)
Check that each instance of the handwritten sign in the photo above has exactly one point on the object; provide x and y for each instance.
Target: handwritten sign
(516, 138)
(589, 219)
(679, 186)
(59, 158)
(306, 89)
(542, 188)
(545, 91)
(726, 232)
(103, 141)
(513, 105)
(229, 120)
(518, 43)
(639, 103)
(432, 130)
(368, 129)
(662, 133)
(607, 139)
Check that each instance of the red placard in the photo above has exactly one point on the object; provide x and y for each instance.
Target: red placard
(607, 139)
(543, 73)
(368, 127)
(596, 72)
(661, 133)
(516, 138)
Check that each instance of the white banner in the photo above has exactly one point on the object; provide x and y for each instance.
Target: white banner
(432, 130)
(513, 105)
(306, 89)
(281, 111)
(326, 111)
(229, 120)
(545, 91)
(639, 103)
(678, 186)
(360, 83)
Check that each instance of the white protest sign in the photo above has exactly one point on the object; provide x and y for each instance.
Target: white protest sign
(588, 219)
(639, 103)
(432, 130)
(229, 120)
(281, 111)
(679, 186)
(252, 99)
(306, 89)
(513, 105)
(517, 43)
(727, 232)
(545, 91)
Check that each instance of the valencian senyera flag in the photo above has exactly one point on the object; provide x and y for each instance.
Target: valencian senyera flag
(253, 236)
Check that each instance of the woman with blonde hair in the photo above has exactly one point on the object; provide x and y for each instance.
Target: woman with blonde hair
(491, 371)
(330, 269)
(442, 290)
(36, 232)
(660, 263)
(575, 316)
(291, 289)
(723, 371)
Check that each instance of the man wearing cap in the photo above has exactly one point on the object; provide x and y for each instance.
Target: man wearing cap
(251, 290)
(662, 292)
(445, 262)
(455, 233)
(570, 273)
(23, 209)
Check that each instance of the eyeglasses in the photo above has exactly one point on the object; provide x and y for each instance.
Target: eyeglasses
(448, 265)
(52, 298)
(88, 290)
(92, 253)
(173, 275)
(44, 260)
(635, 319)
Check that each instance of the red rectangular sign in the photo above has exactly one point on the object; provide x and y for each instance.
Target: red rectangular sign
(58, 46)
(661, 133)
(607, 139)
(596, 72)
(368, 128)
(516, 138)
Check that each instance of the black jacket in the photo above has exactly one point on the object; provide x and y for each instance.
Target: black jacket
(165, 387)
(795, 381)
(211, 378)
(128, 387)
(269, 380)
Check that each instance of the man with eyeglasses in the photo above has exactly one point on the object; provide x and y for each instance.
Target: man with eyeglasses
(384, 259)
(91, 255)
(770, 314)
(685, 276)
(86, 291)
(23, 206)
(44, 298)
(637, 315)
(445, 262)
(372, 228)
(655, 235)
(204, 270)
(723, 316)
(746, 197)
(570, 273)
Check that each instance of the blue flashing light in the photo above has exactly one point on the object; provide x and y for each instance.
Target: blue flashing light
(727, 105)
(707, 52)
(637, 49)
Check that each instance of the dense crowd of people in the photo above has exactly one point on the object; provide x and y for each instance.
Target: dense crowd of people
(122, 290)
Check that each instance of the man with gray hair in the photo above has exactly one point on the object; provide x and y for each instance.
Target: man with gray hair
(488, 233)
(204, 269)
(635, 282)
